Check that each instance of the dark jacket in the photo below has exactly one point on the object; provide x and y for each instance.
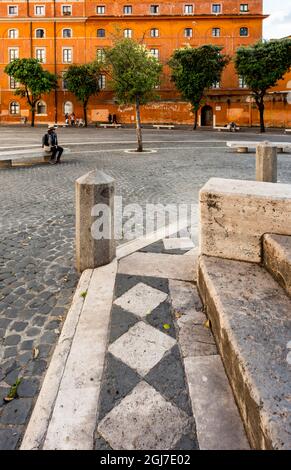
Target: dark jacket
(50, 139)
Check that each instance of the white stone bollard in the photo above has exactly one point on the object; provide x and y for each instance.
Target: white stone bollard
(95, 242)
(266, 163)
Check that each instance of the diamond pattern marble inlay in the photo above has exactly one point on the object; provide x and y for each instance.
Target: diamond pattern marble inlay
(141, 299)
(144, 420)
(141, 347)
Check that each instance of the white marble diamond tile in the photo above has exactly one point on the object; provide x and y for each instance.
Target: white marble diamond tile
(178, 243)
(141, 299)
(141, 347)
(144, 420)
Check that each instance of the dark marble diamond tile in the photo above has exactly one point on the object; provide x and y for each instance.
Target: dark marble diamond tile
(168, 378)
(118, 381)
(100, 443)
(121, 321)
(187, 442)
(161, 316)
(124, 282)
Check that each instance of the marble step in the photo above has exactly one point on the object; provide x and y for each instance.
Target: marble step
(277, 258)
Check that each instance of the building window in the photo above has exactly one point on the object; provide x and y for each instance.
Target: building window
(12, 83)
(216, 32)
(216, 85)
(188, 32)
(13, 54)
(100, 54)
(12, 10)
(154, 9)
(100, 33)
(66, 10)
(100, 10)
(67, 33)
(67, 56)
(242, 83)
(188, 9)
(127, 33)
(41, 107)
(68, 107)
(127, 9)
(39, 33)
(39, 10)
(154, 33)
(244, 7)
(40, 54)
(13, 33)
(64, 82)
(243, 32)
(216, 8)
(155, 53)
(102, 82)
(14, 108)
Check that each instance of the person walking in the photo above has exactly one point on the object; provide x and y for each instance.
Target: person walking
(73, 119)
(67, 119)
(50, 144)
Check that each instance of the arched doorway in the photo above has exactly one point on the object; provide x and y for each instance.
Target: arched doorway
(207, 116)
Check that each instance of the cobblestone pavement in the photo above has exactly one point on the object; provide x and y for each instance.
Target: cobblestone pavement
(37, 276)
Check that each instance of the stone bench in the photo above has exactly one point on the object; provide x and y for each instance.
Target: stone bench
(244, 147)
(116, 126)
(287, 131)
(163, 126)
(26, 157)
(226, 128)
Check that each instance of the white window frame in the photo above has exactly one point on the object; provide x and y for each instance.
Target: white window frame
(71, 107)
(10, 81)
(100, 54)
(43, 49)
(244, 35)
(102, 81)
(70, 11)
(216, 85)
(155, 52)
(16, 9)
(129, 7)
(186, 6)
(63, 56)
(67, 29)
(39, 29)
(103, 7)
(18, 104)
(216, 35)
(155, 35)
(127, 33)
(242, 10)
(158, 9)
(215, 12)
(188, 35)
(241, 83)
(35, 10)
(16, 35)
(13, 49)
(101, 37)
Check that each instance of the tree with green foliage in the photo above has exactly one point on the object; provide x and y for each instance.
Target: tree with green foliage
(33, 81)
(261, 66)
(195, 70)
(83, 81)
(134, 74)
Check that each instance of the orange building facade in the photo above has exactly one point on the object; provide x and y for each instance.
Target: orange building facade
(63, 32)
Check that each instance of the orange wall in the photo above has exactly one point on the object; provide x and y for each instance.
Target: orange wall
(171, 23)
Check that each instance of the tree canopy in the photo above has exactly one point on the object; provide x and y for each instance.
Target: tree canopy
(83, 82)
(134, 75)
(195, 70)
(261, 66)
(33, 81)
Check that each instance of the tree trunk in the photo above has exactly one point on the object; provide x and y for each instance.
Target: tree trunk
(261, 107)
(85, 113)
(32, 116)
(195, 120)
(138, 126)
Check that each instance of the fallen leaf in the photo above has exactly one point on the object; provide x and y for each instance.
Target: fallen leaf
(84, 294)
(207, 324)
(35, 353)
(13, 391)
(166, 326)
(178, 314)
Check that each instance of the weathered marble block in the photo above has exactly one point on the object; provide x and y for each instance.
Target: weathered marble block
(235, 214)
(94, 192)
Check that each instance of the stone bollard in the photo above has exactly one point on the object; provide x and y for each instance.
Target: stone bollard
(92, 250)
(266, 163)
